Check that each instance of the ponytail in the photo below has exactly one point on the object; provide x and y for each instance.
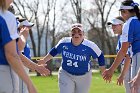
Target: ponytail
(137, 11)
(3, 5)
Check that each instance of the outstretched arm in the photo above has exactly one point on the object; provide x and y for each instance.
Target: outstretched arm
(107, 75)
(127, 63)
(33, 66)
(49, 56)
(16, 64)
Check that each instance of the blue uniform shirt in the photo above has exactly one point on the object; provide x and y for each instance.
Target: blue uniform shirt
(76, 59)
(131, 33)
(26, 51)
(119, 45)
(8, 32)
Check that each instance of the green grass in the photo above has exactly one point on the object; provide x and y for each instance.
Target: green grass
(50, 85)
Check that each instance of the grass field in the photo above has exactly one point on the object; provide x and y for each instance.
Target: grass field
(50, 85)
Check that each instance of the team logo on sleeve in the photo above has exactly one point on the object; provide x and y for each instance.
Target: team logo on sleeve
(83, 50)
(65, 47)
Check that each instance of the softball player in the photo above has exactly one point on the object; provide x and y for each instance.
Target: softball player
(130, 35)
(125, 75)
(75, 73)
(24, 27)
(24, 51)
(9, 59)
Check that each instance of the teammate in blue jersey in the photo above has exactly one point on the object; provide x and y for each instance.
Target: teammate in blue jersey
(24, 26)
(117, 24)
(75, 72)
(10, 62)
(23, 48)
(130, 35)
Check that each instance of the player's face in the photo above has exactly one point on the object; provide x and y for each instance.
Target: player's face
(77, 35)
(117, 29)
(25, 29)
(125, 14)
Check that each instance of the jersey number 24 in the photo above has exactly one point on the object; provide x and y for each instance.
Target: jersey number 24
(70, 63)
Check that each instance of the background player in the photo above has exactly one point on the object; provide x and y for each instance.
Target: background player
(130, 35)
(24, 27)
(26, 59)
(9, 59)
(75, 73)
(117, 24)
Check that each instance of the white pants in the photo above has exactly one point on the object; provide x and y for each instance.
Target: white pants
(9, 81)
(135, 65)
(126, 80)
(74, 84)
(22, 86)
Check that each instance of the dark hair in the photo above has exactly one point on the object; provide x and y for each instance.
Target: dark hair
(11, 9)
(21, 19)
(133, 4)
(3, 5)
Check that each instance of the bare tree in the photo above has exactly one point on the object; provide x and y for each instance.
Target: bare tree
(47, 27)
(103, 14)
(77, 9)
(31, 11)
(21, 12)
(54, 22)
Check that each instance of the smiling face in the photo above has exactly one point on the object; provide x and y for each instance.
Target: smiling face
(125, 14)
(128, 9)
(117, 29)
(77, 36)
(117, 24)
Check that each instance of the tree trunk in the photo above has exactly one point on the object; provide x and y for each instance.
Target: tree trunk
(33, 43)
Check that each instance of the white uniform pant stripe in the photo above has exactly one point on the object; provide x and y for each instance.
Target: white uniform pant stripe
(135, 65)
(126, 80)
(22, 86)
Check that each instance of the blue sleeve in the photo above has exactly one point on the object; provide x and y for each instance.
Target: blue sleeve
(57, 49)
(101, 60)
(4, 33)
(8, 29)
(53, 52)
(130, 32)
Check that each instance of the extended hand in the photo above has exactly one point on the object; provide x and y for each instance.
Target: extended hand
(41, 61)
(120, 80)
(107, 75)
(42, 70)
(135, 84)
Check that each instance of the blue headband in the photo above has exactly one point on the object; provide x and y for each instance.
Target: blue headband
(134, 4)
